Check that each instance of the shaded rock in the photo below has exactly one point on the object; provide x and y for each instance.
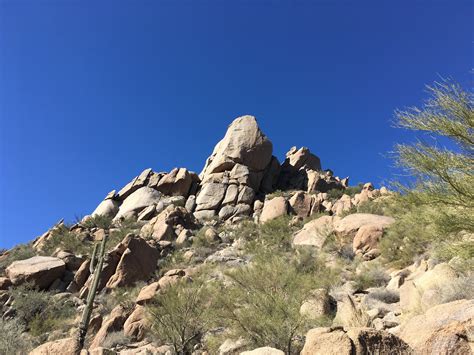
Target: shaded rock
(269, 181)
(246, 195)
(274, 208)
(137, 324)
(137, 262)
(176, 183)
(371, 341)
(113, 323)
(204, 215)
(80, 277)
(301, 203)
(39, 270)
(5, 283)
(147, 213)
(231, 195)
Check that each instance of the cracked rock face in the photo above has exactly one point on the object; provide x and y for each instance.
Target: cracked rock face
(245, 144)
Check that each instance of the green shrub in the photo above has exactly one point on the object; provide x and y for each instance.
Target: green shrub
(371, 274)
(97, 221)
(61, 237)
(263, 301)
(181, 315)
(12, 339)
(38, 311)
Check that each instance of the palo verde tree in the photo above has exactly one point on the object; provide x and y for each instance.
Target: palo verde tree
(443, 165)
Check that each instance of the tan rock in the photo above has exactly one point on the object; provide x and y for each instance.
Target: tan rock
(57, 347)
(147, 293)
(107, 208)
(39, 270)
(367, 238)
(298, 158)
(210, 196)
(443, 329)
(138, 200)
(349, 314)
(274, 208)
(80, 277)
(231, 195)
(263, 351)
(372, 341)
(315, 232)
(138, 182)
(317, 305)
(137, 324)
(348, 226)
(323, 341)
(243, 143)
(246, 195)
(113, 323)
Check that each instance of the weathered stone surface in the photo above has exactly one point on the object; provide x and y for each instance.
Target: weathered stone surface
(246, 195)
(162, 227)
(263, 351)
(298, 158)
(226, 212)
(443, 329)
(274, 208)
(301, 203)
(137, 324)
(415, 292)
(176, 183)
(230, 347)
(317, 305)
(107, 208)
(57, 347)
(138, 182)
(243, 143)
(367, 239)
(138, 200)
(147, 213)
(315, 232)
(231, 195)
(204, 215)
(114, 322)
(137, 262)
(371, 341)
(39, 270)
(147, 293)
(342, 205)
(349, 313)
(323, 341)
(191, 203)
(210, 196)
(349, 225)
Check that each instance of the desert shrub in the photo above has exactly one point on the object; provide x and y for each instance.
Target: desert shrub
(279, 193)
(61, 237)
(335, 194)
(122, 228)
(461, 252)
(38, 311)
(444, 176)
(411, 235)
(12, 339)
(200, 240)
(20, 252)
(314, 264)
(97, 221)
(181, 315)
(371, 274)
(458, 289)
(262, 303)
(338, 246)
(273, 236)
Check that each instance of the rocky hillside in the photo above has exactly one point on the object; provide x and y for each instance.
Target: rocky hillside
(251, 256)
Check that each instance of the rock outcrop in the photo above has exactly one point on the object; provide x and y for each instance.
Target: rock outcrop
(41, 271)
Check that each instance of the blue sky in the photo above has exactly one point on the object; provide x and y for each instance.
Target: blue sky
(93, 92)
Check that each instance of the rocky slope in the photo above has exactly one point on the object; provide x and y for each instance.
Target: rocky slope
(164, 227)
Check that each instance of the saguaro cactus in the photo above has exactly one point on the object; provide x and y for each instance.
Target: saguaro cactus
(96, 264)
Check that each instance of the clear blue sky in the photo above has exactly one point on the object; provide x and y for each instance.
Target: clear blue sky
(93, 92)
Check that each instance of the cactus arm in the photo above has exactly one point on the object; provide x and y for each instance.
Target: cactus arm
(92, 263)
